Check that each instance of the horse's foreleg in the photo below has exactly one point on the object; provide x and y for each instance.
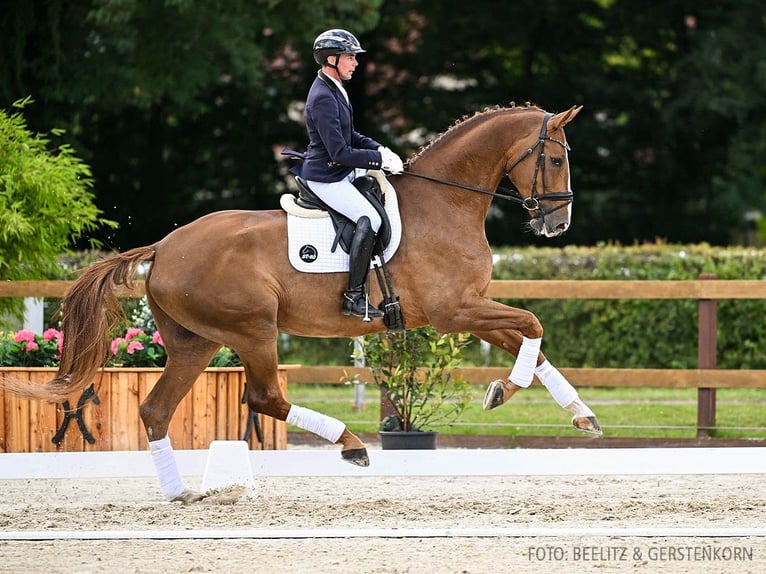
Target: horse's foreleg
(535, 364)
(567, 397)
(519, 333)
(522, 373)
(515, 331)
(527, 353)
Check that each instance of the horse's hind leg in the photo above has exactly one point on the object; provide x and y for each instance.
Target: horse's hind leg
(264, 395)
(562, 391)
(188, 356)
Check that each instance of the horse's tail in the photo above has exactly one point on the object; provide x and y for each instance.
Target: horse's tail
(90, 312)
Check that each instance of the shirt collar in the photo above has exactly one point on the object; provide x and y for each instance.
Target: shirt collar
(338, 84)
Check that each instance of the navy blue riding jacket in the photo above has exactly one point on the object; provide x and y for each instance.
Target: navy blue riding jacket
(335, 148)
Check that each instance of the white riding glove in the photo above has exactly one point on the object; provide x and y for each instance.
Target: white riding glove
(389, 161)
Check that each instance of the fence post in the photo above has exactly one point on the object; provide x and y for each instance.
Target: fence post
(359, 361)
(707, 348)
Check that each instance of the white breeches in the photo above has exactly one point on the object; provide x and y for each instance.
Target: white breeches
(345, 198)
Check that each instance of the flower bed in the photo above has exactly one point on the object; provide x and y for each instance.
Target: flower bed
(136, 348)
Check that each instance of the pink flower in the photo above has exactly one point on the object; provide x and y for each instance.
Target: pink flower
(116, 345)
(132, 333)
(25, 335)
(51, 334)
(134, 346)
(31, 346)
(157, 339)
(60, 341)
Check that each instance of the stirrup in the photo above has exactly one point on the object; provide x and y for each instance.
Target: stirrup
(351, 304)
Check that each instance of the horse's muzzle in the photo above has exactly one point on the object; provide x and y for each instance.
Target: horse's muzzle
(548, 226)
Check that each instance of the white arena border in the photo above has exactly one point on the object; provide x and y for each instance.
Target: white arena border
(348, 533)
(440, 462)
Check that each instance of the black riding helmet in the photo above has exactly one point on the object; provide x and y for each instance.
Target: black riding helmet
(333, 43)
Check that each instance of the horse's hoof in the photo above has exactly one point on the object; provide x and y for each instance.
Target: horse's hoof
(587, 424)
(494, 397)
(189, 496)
(356, 456)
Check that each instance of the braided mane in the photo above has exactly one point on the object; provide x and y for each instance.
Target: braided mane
(469, 119)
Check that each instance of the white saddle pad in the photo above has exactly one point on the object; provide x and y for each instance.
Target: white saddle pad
(310, 236)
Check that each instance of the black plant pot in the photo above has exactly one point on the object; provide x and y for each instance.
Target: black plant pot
(408, 440)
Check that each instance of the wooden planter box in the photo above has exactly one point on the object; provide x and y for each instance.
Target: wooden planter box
(109, 420)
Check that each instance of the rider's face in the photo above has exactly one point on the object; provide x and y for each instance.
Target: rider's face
(346, 65)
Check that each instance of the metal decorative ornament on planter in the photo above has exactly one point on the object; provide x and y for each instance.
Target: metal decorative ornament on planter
(413, 369)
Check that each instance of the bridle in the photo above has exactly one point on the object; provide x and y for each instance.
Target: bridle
(531, 203)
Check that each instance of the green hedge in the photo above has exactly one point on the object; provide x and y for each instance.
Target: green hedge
(613, 333)
(640, 333)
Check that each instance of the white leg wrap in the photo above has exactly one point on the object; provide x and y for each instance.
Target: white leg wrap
(524, 368)
(559, 388)
(167, 470)
(312, 421)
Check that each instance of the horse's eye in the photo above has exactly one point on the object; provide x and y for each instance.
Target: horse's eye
(557, 161)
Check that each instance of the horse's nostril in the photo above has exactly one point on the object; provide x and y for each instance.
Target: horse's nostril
(561, 227)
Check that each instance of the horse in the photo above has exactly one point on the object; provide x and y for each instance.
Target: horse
(224, 279)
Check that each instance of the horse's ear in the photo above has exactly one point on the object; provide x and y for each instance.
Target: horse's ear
(560, 120)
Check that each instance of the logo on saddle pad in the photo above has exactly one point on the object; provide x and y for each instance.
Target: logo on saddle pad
(308, 253)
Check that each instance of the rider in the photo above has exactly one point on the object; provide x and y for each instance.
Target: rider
(336, 151)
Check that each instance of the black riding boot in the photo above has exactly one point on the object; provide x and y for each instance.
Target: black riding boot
(354, 300)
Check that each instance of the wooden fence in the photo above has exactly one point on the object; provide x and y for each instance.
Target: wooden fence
(706, 290)
(107, 418)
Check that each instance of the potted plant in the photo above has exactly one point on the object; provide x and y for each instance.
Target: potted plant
(413, 369)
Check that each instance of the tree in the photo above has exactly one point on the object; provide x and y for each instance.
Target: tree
(724, 95)
(670, 141)
(177, 104)
(46, 202)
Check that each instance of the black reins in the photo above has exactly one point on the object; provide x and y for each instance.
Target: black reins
(531, 203)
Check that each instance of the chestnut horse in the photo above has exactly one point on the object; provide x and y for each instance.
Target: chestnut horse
(225, 279)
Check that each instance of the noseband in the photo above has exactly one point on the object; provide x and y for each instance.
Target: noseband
(531, 203)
